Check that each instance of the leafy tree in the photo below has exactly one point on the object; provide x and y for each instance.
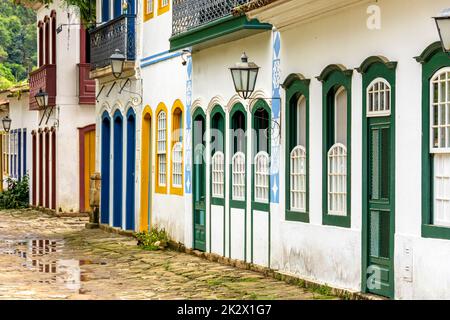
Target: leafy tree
(17, 42)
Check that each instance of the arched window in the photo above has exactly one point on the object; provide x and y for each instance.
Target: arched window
(379, 98)
(238, 150)
(298, 157)
(336, 183)
(238, 176)
(218, 175)
(177, 149)
(161, 149)
(297, 146)
(217, 147)
(435, 142)
(262, 172)
(440, 145)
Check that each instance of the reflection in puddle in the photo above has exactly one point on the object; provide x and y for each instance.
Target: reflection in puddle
(35, 251)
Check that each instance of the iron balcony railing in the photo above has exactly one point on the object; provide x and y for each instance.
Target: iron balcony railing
(119, 34)
(189, 14)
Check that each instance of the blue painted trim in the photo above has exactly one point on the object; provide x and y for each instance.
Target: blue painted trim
(161, 59)
(131, 169)
(117, 169)
(105, 167)
(155, 56)
(19, 154)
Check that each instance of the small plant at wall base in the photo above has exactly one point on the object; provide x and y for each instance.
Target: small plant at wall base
(17, 194)
(156, 239)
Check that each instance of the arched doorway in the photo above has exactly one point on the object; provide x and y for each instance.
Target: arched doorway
(105, 168)
(146, 176)
(260, 213)
(238, 183)
(199, 180)
(131, 170)
(117, 169)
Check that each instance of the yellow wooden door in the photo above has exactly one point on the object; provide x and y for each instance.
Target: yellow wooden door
(146, 172)
(89, 164)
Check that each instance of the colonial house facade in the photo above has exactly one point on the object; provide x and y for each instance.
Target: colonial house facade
(59, 166)
(14, 145)
(334, 169)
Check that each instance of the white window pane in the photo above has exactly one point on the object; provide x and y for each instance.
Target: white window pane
(298, 179)
(218, 179)
(337, 180)
(442, 189)
(238, 176)
(261, 177)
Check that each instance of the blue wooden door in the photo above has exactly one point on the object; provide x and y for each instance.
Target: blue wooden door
(131, 165)
(118, 170)
(105, 167)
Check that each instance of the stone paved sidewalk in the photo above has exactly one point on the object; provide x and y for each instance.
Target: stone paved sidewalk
(43, 257)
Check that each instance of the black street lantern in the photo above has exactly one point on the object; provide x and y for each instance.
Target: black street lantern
(443, 26)
(41, 99)
(6, 123)
(117, 61)
(244, 75)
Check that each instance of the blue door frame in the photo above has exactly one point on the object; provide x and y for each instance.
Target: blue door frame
(131, 166)
(118, 169)
(105, 167)
(19, 154)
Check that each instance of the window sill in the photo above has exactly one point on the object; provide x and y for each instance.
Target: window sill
(435, 232)
(218, 201)
(295, 216)
(337, 221)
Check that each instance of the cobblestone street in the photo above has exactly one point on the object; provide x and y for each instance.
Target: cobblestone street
(44, 257)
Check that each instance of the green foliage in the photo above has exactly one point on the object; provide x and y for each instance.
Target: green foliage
(17, 42)
(154, 240)
(17, 194)
(86, 8)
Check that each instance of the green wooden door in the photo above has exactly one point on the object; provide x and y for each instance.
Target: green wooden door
(380, 211)
(199, 183)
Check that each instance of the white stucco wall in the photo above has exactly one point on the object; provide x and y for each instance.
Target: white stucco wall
(332, 255)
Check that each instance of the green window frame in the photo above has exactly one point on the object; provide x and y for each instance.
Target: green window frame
(240, 204)
(257, 124)
(333, 78)
(297, 87)
(217, 120)
(432, 59)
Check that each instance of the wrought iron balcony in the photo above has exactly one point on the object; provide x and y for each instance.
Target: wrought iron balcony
(119, 34)
(190, 14)
(43, 78)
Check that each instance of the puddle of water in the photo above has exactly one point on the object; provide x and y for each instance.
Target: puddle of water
(34, 252)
